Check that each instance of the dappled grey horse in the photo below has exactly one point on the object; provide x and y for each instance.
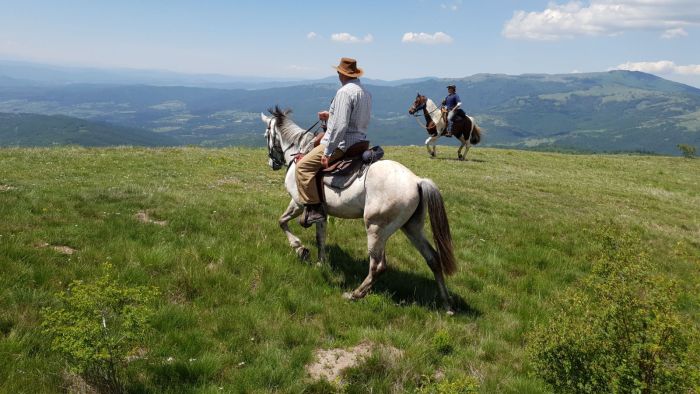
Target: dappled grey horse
(388, 197)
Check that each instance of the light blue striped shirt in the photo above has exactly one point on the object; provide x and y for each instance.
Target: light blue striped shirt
(349, 117)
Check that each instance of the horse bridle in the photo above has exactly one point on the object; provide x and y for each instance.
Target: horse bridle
(273, 147)
(422, 107)
(274, 150)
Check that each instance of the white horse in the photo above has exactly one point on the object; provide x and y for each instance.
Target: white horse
(387, 197)
(465, 130)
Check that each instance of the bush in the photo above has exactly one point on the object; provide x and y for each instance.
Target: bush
(619, 332)
(97, 326)
(463, 385)
(442, 342)
(688, 151)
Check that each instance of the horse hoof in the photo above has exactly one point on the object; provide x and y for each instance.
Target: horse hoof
(450, 312)
(303, 254)
(349, 296)
(461, 157)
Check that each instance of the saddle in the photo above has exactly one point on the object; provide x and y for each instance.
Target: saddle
(458, 118)
(357, 159)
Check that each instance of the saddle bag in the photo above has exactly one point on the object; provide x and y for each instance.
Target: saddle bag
(373, 154)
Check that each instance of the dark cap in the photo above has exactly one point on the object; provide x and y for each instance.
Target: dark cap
(452, 86)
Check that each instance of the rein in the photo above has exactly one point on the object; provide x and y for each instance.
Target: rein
(425, 113)
(281, 162)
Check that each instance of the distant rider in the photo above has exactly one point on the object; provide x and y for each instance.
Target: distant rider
(451, 103)
(348, 119)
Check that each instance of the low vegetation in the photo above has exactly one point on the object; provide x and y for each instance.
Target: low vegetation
(237, 312)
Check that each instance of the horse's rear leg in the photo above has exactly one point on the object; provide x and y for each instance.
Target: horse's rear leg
(376, 242)
(465, 145)
(293, 210)
(414, 231)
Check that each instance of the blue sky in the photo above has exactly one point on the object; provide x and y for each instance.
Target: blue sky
(391, 39)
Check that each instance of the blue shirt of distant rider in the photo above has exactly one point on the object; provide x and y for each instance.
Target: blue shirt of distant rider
(450, 102)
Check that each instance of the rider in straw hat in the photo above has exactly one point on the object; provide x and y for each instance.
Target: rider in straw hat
(348, 118)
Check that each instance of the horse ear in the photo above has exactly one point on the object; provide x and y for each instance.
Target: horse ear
(417, 94)
(265, 119)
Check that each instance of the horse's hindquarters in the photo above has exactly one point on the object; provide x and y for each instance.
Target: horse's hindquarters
(392, 194)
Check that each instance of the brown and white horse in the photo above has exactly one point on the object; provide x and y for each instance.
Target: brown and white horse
(388, 197)
(465, 130)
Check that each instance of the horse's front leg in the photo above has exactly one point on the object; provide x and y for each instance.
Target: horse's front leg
(430, 142)
(293, 210)
(321, 241)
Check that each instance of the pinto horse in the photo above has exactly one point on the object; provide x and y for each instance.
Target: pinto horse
(465, 130)
(388, 197)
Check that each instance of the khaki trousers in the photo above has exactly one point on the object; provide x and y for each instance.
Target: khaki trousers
(306, 171)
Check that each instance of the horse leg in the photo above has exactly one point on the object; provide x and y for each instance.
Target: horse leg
(321, 241)
(293, 210)
(427, 146)
(459, 151)
(414, 231)
(466, 150)
(376, 241)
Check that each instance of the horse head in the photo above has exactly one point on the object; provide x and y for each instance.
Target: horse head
(418, 104)
(275, 153)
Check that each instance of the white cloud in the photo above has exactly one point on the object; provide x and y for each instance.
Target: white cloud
(349, 38)
(426, 38)
(454, 6)
(311, 35)
(604, 17)
(660, 67)
(673, 33)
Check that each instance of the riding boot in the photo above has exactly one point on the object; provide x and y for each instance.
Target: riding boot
(448, 133)
(313, 213)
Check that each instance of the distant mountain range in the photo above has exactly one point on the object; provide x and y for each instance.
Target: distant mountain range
(26, 73)
(598, 112)
(43, 130)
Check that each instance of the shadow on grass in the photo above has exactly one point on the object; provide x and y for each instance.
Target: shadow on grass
(403, 287)
(456, 159)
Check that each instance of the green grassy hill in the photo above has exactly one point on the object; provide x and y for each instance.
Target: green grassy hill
(43, 130)
(238, 312)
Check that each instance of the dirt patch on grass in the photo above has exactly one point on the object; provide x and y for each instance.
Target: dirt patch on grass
(63, 249)
(329, 364)
(228, 181)
(144, 217)
(6, 188)
(75, 384)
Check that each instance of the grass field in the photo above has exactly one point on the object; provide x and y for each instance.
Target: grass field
(239, 313)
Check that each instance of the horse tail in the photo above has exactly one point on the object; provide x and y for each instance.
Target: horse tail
(476, 134)
(438, 223)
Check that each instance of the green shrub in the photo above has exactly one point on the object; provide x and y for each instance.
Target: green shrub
(463, 385)
(619, 332)
(442, 342)
(98, 325)
(688, 151)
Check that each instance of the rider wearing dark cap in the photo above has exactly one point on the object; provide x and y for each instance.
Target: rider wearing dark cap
(451, 102)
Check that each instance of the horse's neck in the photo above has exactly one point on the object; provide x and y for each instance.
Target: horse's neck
(433, 111)
(294, 143)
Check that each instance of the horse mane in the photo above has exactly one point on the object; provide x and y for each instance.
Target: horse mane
(286, 126)
(288, 130)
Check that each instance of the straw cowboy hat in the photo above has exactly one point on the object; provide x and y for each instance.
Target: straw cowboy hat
(348, 67)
